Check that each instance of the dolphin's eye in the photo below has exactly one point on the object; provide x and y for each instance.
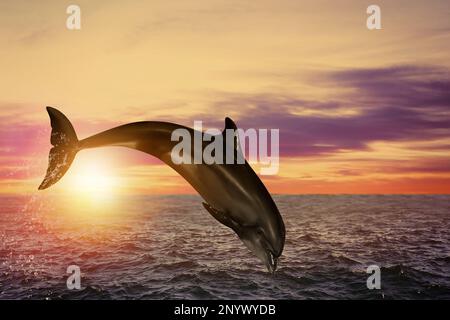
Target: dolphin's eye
(259, 231)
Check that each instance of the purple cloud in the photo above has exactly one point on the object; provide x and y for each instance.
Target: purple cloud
(395, 104)
(405, 103)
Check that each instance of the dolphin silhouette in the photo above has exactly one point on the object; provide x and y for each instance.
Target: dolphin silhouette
(233, 193)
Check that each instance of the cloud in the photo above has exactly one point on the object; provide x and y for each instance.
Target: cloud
(404, 103)
(400, 103)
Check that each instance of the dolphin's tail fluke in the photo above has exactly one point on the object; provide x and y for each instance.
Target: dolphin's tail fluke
(65, 146)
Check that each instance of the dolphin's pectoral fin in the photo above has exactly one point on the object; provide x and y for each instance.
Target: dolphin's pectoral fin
(221, 217)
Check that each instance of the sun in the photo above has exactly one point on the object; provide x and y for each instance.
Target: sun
(92, 179)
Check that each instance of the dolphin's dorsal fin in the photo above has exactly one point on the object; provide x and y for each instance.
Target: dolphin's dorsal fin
(230, 125)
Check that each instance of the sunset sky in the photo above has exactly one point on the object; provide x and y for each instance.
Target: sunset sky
(358, 111)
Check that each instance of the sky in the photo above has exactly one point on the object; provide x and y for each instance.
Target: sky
(359, 111)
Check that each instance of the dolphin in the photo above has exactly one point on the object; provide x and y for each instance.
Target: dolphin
(233, 194)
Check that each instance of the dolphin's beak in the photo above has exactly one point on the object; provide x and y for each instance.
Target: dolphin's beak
(271, 262)
(261, 250)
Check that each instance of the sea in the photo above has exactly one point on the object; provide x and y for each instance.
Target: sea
(169, 247)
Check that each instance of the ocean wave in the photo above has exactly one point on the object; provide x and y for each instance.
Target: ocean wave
(181, 252)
